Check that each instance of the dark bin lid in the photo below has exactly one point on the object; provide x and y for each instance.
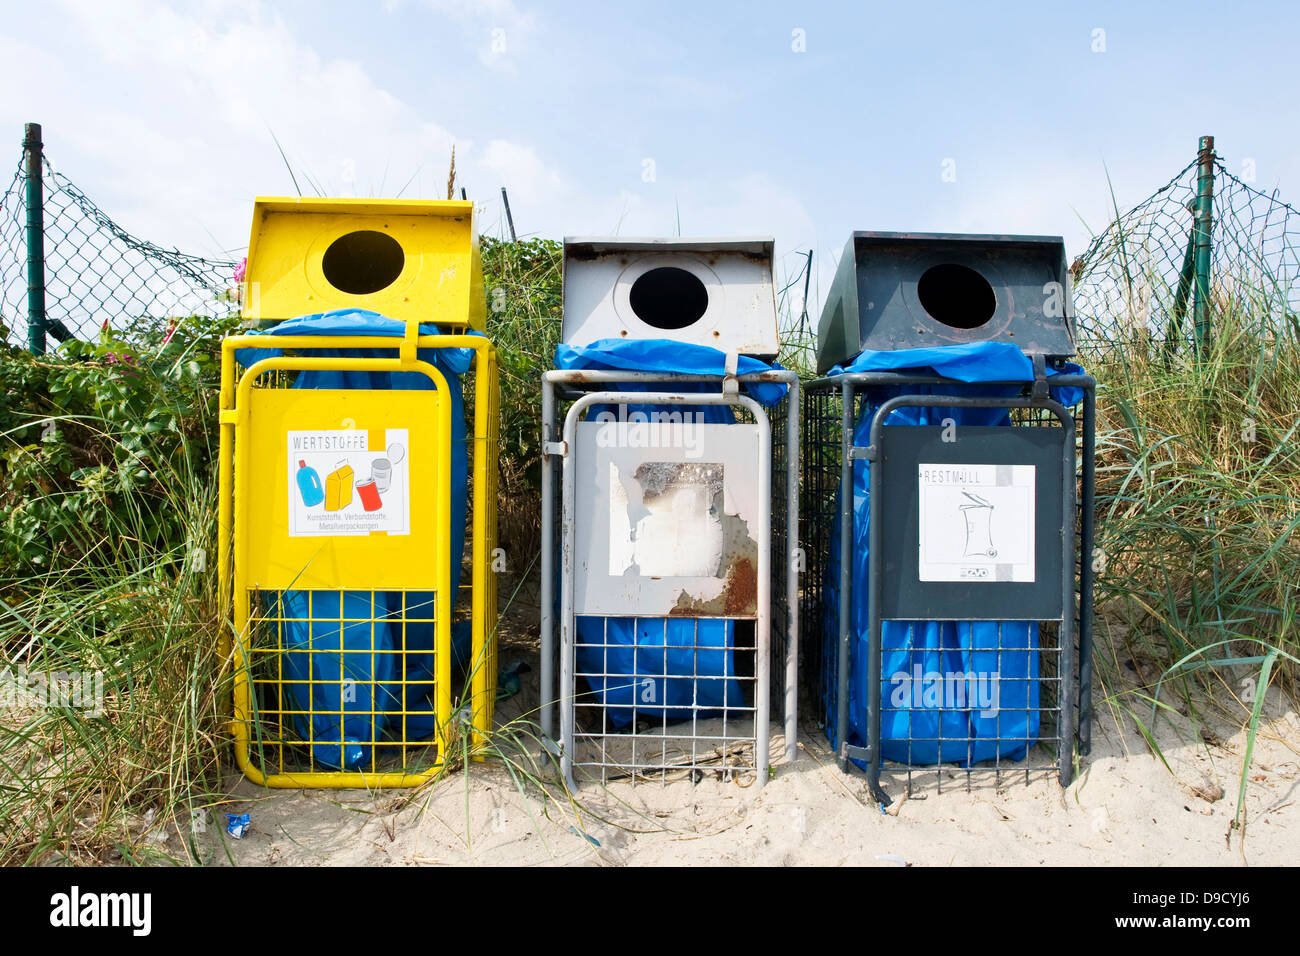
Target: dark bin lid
(896, 290)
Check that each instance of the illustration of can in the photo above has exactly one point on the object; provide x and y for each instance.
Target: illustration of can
(979, 531)
(368, 492)
(381, 470)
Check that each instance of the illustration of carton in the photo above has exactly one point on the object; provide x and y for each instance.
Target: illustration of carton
(338, 488)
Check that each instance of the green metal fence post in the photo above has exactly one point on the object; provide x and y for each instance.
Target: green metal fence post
(1202, 224)
(1186, 279)
(35, 199)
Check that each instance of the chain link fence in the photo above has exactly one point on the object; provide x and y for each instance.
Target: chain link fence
(95, 271)
(1135, 288)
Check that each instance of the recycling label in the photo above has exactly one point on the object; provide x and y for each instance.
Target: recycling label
(976, 522)
(340, 485)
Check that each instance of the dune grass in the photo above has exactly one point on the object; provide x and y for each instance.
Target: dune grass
(1198, 523)
(109, 778)
(1198, 486)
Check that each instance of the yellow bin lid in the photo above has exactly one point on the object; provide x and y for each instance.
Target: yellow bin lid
(403, 258)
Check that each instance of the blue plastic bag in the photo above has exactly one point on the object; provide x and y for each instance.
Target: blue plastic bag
(632, 678)
(665, 355)
(333, 666)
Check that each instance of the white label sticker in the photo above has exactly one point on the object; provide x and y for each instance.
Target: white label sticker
(663, 521)
(339, 485)
(976, 522)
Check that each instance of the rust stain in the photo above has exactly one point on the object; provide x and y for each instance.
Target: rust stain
(657, 478)
(734, 581)
(739, 597)
(741, 590)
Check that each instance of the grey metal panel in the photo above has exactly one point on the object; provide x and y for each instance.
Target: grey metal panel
(905, 596)
(736, 276)
(874, 301)
(837, 330)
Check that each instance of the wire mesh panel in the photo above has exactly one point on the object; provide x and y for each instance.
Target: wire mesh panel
(1134, 284)
(674, 702)
(343, 679)
(991, 714)
(818, 513)
(958, 699)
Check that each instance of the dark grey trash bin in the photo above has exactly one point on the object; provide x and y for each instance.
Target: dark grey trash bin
(948, 508)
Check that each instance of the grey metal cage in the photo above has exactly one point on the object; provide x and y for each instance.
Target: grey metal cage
(760, 647)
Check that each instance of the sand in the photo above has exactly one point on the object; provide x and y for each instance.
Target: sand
(1125, 807)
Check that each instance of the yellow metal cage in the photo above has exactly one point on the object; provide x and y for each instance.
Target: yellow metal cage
(332, 585)
(342, 614)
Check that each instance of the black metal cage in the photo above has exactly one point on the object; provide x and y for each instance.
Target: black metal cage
(907, 724)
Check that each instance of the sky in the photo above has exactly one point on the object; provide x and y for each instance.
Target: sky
(802, 121)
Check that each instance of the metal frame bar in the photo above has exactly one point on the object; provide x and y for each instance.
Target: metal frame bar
(560, 444)
(1202, 229)
(1074, 692)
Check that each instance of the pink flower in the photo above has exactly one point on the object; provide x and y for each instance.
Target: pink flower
(241, 270)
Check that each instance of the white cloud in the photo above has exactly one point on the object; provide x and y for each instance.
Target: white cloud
(165, 118)
(497, 31)
(520, 168)
(175, 113)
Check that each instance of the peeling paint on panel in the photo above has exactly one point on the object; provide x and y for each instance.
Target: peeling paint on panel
(667, 533)
(739, 597)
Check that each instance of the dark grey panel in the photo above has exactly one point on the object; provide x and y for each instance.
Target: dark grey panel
(904, 595)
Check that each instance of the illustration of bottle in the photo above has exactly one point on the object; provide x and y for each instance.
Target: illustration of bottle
(309, 485)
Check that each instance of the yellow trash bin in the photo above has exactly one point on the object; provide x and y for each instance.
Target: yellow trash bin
(339, 477)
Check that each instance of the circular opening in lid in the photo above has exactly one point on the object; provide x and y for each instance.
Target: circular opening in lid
(363, 262)
(669, 298)
(956, 295)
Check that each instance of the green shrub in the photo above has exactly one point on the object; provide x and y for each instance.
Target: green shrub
(523, 281)
(90, 440)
